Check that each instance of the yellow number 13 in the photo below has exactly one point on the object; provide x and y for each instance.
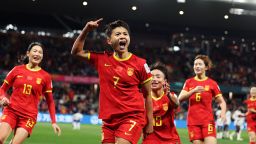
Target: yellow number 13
(27, 89)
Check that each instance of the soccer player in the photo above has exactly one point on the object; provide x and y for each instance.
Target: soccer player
(164, 105)
(201, 90)
(28, 82)
(77, 120)
(251, 115)
(239, 120)
(219, 124)
(121, 73)
(227, 123)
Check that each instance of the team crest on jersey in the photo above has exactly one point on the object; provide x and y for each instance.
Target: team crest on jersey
(165, 107)
(38, 80)
(130, 71)
(206, 88)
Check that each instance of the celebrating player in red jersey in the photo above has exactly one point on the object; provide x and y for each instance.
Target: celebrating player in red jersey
(122, 106)
(28, 83)
(251, 115)
(164, 105)
(200, 90)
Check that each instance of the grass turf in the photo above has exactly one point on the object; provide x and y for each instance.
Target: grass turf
(91, 134)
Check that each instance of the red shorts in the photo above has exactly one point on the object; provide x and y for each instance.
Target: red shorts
(251, 126)
(128, 127)
(15, 121)
(199, 132)
(154, 139)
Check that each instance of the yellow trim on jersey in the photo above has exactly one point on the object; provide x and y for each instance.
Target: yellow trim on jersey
(36, 69)
(157, 98)
(6, 82)
(48, 91)
(218, 95)
(147, 80)
(89, 55)
(197, 79)
(124, 59)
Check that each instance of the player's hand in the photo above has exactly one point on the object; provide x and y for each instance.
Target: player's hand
(166, 88)
(148, 129)
(4, 101)
(91, 25)
(198, 89)
(56, 129)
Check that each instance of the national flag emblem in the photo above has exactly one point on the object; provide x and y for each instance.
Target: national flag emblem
(130, 71)
(165, 107)
(38, 80)
(206, 88)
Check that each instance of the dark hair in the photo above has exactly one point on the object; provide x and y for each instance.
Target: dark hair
(115, 24)
(23, 58)
(206, 59)
(162, 68)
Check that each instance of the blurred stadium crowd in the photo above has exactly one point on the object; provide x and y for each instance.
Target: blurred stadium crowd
(233, 60)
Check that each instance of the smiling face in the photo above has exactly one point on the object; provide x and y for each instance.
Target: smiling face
(158, 80)
(199, 67)
(119, 39)
(35, 55)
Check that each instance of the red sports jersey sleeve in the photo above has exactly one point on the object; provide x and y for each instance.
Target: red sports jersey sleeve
(119, 83)
(200, 104)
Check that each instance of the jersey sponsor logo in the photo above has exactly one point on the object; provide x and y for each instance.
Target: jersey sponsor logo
(206, 88)
(130, 71)
(107, 65)
(38, 80)
(165, 106)
(147, 69)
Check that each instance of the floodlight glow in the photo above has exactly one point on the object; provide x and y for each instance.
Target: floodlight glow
(134, 8)
(181, 12)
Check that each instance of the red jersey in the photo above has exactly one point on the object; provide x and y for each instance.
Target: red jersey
(28, 86)
(164, 128)
(251, 104)
(119, 83)
(200, 104)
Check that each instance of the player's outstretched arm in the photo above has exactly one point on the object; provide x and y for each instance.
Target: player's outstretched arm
(149, 107)
(78, 45)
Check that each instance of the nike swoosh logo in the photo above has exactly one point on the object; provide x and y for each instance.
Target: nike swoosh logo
(127, 133)
(19, 76)
(107, 65)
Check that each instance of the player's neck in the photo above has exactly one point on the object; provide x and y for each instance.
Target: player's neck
(201, 76)
(157, 93)
(122, 56)
(32, 67)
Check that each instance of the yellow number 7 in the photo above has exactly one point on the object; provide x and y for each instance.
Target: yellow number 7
(116, 79)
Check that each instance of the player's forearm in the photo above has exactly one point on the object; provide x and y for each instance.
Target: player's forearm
(149, 109)
(79, 42)
(185, 95)
(223, 106)
(51, 106)
(174, 100)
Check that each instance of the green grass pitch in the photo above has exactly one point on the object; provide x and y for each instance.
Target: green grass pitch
(91, 134)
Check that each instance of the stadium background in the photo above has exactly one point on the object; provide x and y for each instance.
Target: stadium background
(172, 32)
